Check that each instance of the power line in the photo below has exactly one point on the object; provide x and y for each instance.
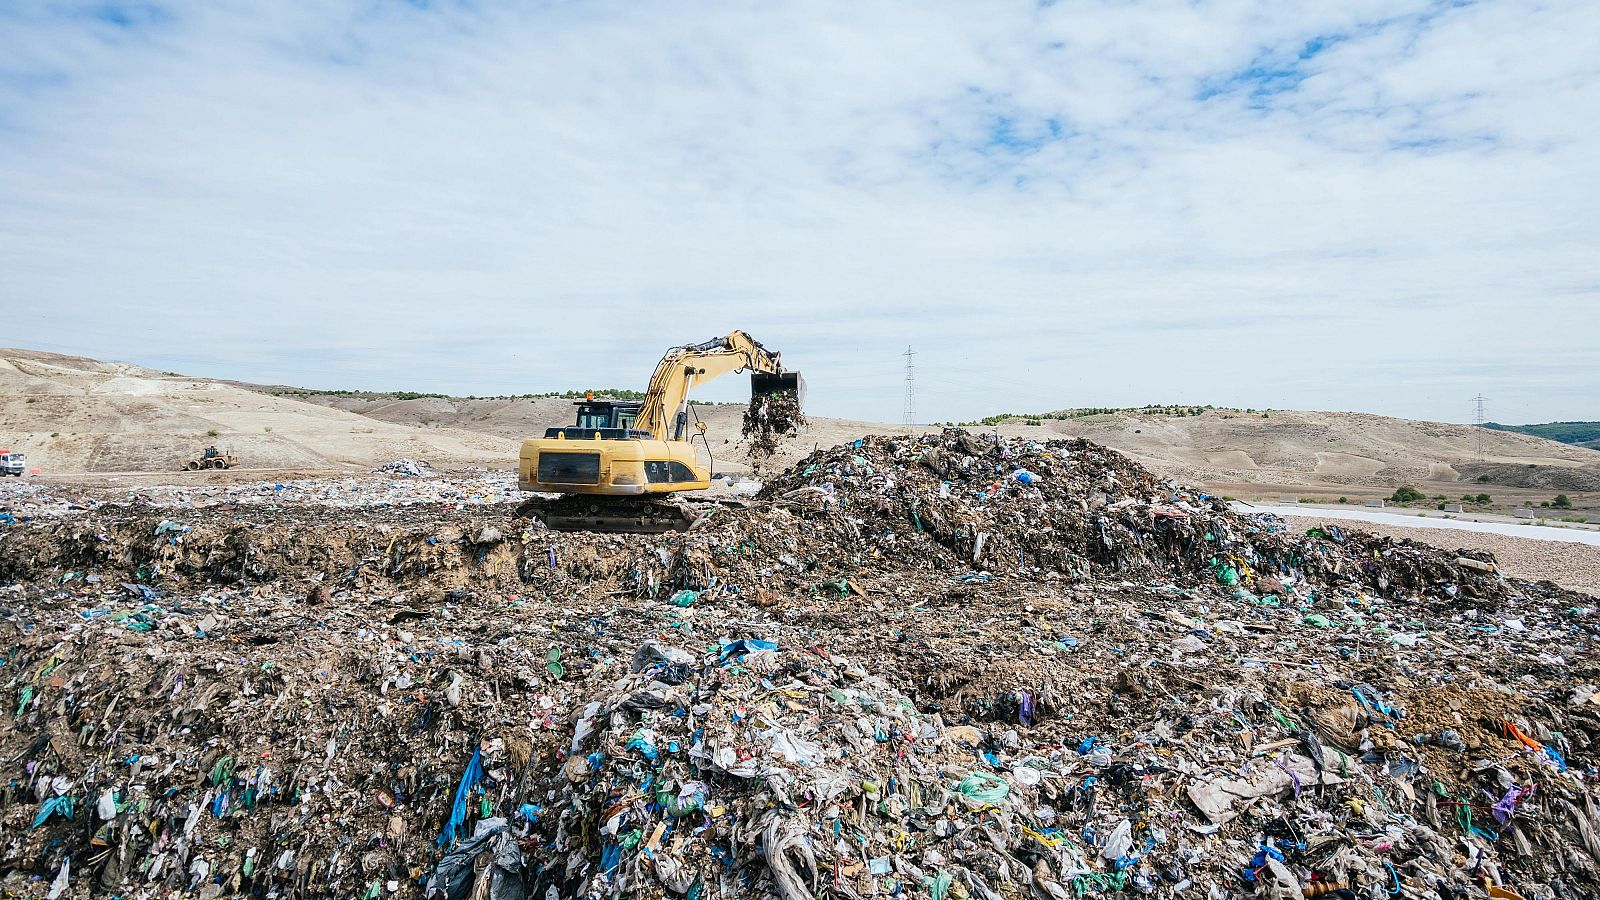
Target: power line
(1480, 420)
(910, 411)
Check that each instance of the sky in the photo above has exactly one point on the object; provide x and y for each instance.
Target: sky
(1377, 205)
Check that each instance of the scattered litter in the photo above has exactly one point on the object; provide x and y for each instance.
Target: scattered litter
(902, 671)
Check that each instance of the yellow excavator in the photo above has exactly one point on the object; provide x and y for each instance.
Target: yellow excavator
(619, 465)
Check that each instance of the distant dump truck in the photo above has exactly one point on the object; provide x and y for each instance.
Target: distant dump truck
(13, 463)
(212, 458)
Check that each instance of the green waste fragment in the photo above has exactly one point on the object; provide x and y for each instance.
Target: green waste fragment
(841, 587)
(983, 788)
(26, 696)
(552, 664)
(684, 598)
(1083, 885)
(1319, 620)
(222, 771)
(1284, 720)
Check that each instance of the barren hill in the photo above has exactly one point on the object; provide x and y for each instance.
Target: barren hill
(520, 418)
(1312, 449)
(72, 414)
(1331, 448)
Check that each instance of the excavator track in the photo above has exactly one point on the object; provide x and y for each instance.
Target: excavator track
(626, 515)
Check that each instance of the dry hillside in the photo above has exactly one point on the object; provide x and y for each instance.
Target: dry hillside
(78, 415)
(1311, 449)
(71, 414)
(1332, 448)
(520, 419)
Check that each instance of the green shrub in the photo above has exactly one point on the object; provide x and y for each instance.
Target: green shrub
(1483, 498)
(1406, 494)
(1562, 501)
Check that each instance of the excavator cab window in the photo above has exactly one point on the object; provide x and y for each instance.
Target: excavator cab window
(594, 417)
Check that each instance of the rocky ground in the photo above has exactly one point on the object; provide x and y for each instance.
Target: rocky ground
(914, 665)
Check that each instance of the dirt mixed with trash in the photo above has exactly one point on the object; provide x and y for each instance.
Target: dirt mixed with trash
(940, 666)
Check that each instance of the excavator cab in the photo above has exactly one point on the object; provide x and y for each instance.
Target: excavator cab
(606, 420)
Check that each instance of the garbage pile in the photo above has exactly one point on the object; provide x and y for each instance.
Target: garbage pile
(21, 501)
(959, 501)
(1130, 690)
(760, 771)
(428, 488)
(770, 418)
(410, 468)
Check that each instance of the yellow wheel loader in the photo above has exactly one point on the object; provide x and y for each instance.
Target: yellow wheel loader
(618, 467)
(212, 458)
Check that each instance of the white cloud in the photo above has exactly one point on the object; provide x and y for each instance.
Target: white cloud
(1380, 206)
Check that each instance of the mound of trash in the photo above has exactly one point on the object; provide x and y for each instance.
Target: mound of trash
(409, 468)
(756, 770)
(963, 502)
(940, 666)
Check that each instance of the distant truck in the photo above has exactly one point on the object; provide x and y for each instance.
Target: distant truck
(13, 463)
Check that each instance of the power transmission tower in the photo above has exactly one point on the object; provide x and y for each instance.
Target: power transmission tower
(910, 411)
(1479, 420)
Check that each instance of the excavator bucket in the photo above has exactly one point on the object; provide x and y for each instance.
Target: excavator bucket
(769, 383)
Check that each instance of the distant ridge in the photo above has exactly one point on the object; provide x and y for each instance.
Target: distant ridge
(1581, 434)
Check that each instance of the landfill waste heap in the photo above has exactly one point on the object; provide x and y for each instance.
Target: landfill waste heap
(943, 666)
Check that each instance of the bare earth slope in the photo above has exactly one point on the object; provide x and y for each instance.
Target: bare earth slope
(1329, 448)
(71, 414)
(1311, 449)
(521, 419)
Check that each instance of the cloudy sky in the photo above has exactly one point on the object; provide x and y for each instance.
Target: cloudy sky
(1379, 205)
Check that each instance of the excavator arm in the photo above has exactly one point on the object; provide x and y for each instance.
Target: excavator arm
(665, 410)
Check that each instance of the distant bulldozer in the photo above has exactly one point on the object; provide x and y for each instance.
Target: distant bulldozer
(212, 458)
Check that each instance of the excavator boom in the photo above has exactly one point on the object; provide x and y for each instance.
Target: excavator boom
(664, 413)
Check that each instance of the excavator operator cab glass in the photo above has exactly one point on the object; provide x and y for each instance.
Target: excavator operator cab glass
(594, 417)
(602, 415)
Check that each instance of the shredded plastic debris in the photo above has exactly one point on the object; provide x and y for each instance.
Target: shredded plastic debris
(904, 670)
